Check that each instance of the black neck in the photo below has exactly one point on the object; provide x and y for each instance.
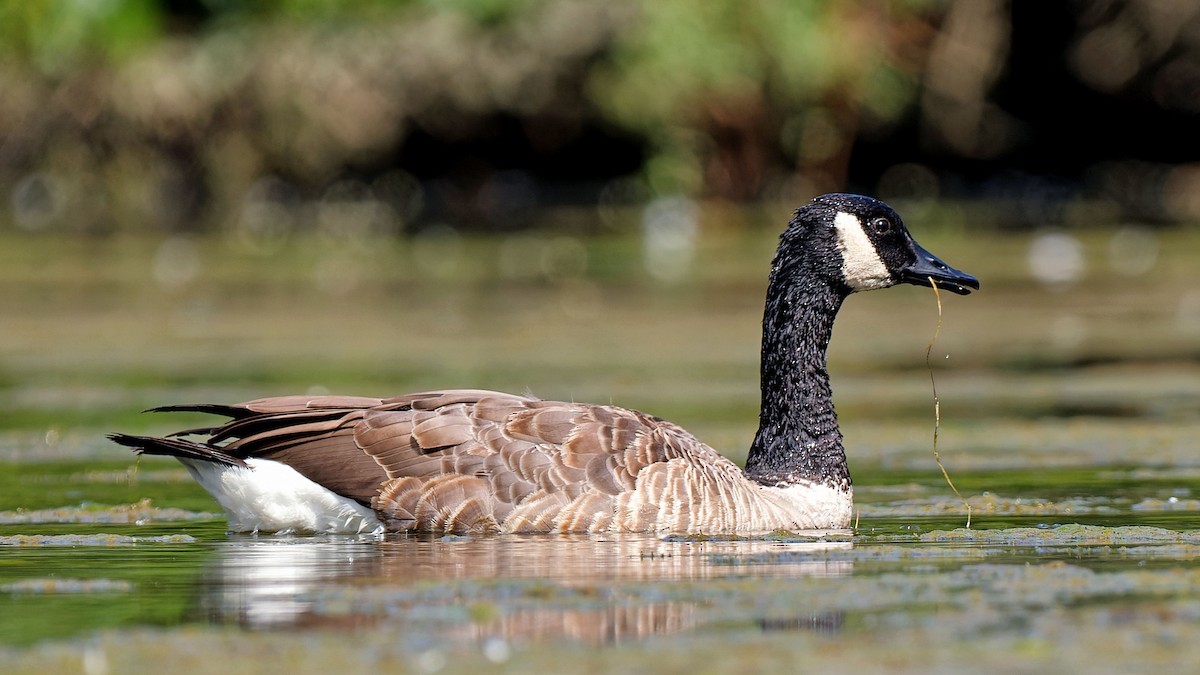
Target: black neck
(798, 439)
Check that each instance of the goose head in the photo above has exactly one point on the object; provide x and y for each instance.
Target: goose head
(857, 243)
(835, 245)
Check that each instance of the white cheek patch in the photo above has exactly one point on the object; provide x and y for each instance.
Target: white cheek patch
(862, 268)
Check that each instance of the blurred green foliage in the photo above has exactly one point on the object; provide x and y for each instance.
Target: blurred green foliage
(55, 36)
(188, 115)
(715, 85)
(125, 114)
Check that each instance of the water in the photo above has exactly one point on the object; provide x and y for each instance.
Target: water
(1038, 570)
(1069, 422)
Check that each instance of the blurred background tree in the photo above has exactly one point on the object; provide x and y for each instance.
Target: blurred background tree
(734, 98)
(188, 115)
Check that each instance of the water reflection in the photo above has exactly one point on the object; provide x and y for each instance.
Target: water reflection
(594, 589)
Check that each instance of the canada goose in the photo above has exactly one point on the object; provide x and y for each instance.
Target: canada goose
(470, 461)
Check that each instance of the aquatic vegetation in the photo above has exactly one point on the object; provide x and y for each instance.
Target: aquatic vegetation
(91, 540)
(139, 513)
(991, 504)
(1168, 504)
(1064, 535)
(49, 585)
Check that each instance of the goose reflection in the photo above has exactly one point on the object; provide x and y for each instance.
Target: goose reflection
(595, 589)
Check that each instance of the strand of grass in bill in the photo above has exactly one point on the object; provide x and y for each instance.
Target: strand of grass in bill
(937, 403)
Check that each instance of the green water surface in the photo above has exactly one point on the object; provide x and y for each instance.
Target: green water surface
(1070, 421)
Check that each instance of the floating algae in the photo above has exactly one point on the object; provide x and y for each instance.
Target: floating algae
(991, 504)
(131, 514)
(92, 540)
(53, 585)
(1069, 534)
(1168, 504)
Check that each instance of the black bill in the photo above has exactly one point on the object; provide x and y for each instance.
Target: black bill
(927, 266)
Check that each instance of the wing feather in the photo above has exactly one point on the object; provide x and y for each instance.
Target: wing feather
(471, 460)
(549, 423)
(445, 429)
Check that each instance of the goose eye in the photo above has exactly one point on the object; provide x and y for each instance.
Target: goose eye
(881, 225)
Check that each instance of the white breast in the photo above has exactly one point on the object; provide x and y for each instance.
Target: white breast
(274, 497)
(812, 506)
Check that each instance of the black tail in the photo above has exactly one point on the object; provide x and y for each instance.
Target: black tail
(236, 412)
(174, 447)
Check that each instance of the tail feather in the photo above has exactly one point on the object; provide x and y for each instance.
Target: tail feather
(174, 447)
(236, 412)
(199, 431)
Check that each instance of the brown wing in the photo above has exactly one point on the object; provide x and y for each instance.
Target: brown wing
(498, 461)
(464, 460)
